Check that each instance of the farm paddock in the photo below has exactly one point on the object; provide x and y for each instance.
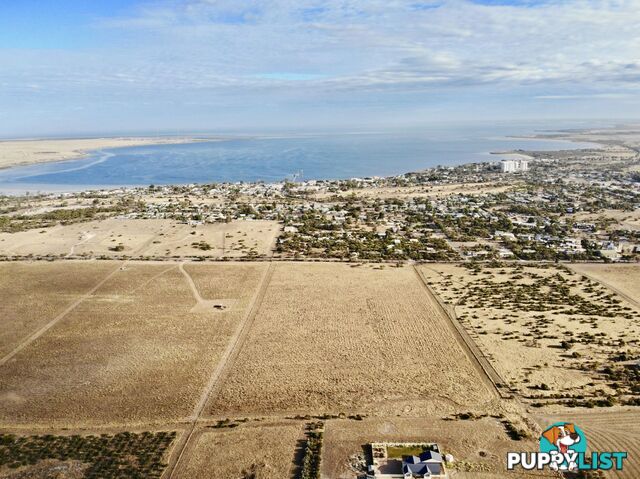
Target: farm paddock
(261, 449)
(366, 349)
(33, 293)
(337, 338)
(137, 350)
(572, 335)
(149, 238)
(611, 429)
(478, 445)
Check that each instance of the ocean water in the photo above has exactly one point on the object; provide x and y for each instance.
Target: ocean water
(272, 159)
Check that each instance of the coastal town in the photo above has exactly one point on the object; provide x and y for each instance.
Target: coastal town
(313, 239)
(574, 205)
(349, 328)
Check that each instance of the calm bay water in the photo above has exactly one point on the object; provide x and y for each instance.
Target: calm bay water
(270, 159)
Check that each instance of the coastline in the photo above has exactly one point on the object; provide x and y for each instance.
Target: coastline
(25, 152)
(525, 154)
(70, 150)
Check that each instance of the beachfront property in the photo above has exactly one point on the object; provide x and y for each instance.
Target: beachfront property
(514, 165)
(406, 461)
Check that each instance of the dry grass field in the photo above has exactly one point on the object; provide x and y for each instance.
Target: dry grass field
(152, 238)
(330, 337)
(31, 294)
(479, 446)
(570, 335)
(137, 350)
(624, 279)
(92, 238)
(230, 240)
(259, 450)
(136, 346)
(607, 430)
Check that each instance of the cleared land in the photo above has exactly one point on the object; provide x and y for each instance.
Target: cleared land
(330, 337)
(479, 446)
(623, 279)
(32, 294)
(572, 336)
(260, 450)
(137, 350)
(314, 340)
(151, 238)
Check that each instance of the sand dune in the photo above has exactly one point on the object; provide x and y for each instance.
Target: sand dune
(24, 152)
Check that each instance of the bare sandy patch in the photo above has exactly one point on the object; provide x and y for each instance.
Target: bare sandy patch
(549, 332)
(24, 152)
(621, 278)
(116, 237)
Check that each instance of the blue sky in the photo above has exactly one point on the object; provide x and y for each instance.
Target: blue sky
(99, 67)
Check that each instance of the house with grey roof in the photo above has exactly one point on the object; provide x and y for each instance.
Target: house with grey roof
(391, 461)
(427, 464)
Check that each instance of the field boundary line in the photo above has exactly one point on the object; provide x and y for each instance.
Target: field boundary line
(152, 279)
(607, 285)
(233, 349)
(58, 318)
(465, 340)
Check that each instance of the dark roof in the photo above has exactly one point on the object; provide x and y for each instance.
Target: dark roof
(422, 468)
(431, 456)
(429, 462)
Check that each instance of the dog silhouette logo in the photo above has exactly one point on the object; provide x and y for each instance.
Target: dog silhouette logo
(567, 439)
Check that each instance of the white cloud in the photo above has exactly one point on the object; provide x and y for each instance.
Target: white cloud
(234, 52)
(369, 42)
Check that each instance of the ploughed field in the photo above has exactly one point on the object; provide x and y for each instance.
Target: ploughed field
(607, 430)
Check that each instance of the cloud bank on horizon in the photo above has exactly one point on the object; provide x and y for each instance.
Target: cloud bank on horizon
(226, 64)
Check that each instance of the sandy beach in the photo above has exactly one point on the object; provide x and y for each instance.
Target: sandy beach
(24, 152)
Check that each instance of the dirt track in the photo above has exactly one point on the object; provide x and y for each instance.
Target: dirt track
(235, 344)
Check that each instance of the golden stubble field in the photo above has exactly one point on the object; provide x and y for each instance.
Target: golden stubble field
(261, 450)
(563, 328)
(146, 238)
(336, 338)
(137, 350)
(31, 294)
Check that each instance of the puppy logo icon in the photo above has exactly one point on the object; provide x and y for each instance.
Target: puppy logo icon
(563, 447)
(566, 440)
